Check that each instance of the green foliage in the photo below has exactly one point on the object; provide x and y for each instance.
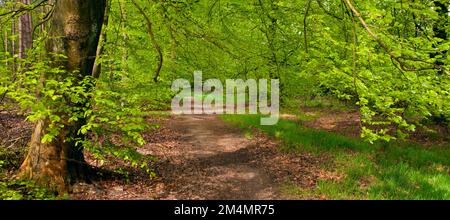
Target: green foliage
(66, 99)
(22, 190)
(394, 97)
(115, 125)
(320, 51)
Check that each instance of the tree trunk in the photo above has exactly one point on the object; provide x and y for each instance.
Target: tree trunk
(101, 44)
(13, 45)
(75, 27)
(25, 32)
(6, 47)
(440, 32)
(124, 63)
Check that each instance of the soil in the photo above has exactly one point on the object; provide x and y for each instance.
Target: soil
(340, 122)
(15, 133)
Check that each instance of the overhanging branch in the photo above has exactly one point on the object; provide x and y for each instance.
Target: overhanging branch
(403, 66)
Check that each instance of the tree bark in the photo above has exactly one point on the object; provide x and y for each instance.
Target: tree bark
(96, 71)
(440, 32)
(75, 27)
(6, 47)
(124, 64)
(13, 45)
(305, 25)
(25, 32)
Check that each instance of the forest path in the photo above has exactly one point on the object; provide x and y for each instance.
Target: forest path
(202, 157)
(212, 161)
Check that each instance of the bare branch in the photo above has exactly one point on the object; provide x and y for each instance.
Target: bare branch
(16, 12)
(152, 38)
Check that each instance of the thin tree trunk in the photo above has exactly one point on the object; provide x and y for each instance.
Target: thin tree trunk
(153, 40)
(96, 71)
(123, 13)
(173, 42)
(2, 38)
(440, 32)
(7, 54)
(42, 26)
(305, 26)
(13, 46)
(59, 163)
(25, 33)
(6, 47)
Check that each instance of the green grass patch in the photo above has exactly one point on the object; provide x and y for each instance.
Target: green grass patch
(395, 170)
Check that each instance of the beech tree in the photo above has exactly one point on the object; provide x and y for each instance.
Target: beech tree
(75, 30)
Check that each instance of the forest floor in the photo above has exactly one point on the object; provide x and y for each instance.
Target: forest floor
(202, 157)
(311, 154)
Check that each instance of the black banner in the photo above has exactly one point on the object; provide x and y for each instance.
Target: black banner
(230, 209)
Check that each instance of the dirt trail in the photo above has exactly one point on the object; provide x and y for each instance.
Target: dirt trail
(212, 161)
(201, 157)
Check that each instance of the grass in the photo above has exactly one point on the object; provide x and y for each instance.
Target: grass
(395, 170)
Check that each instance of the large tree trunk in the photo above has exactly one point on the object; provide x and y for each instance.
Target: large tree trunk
(75, 27)
(25, 32)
